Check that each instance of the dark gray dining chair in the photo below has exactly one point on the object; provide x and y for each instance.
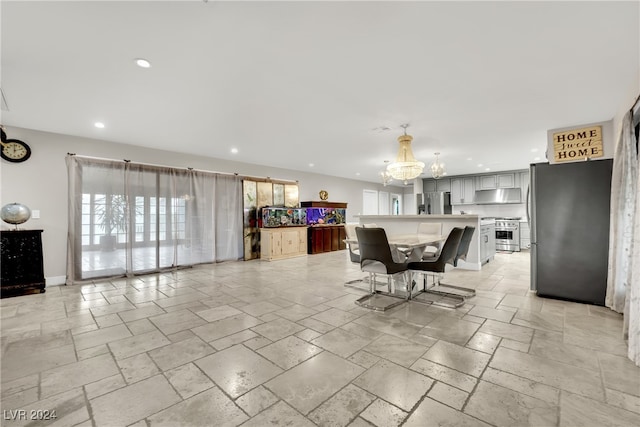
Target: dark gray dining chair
(376, 259)
(436, 266)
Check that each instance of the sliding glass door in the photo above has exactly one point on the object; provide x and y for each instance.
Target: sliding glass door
(129, 218)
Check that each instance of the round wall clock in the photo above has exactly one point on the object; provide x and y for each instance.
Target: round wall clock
(14, 150)
(324, 195)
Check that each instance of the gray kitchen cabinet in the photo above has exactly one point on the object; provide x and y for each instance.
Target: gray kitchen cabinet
(487, 182)
(462, 191)
(429, 185)
(443, 184)
(487, 243)
(506, 180)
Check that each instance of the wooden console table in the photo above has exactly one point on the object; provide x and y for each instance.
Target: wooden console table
(22, 267)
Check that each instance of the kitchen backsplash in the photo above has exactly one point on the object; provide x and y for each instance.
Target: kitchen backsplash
(510, 210)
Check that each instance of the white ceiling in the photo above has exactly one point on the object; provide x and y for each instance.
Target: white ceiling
(294, 83)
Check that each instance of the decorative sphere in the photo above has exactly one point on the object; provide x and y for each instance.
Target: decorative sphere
(15, 213)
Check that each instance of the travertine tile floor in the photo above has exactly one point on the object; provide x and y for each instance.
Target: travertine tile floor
(282, 343)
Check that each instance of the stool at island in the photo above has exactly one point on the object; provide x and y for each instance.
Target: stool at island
(22, 267)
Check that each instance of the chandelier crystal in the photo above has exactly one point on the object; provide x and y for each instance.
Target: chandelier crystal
(437, 168)
(406, 167)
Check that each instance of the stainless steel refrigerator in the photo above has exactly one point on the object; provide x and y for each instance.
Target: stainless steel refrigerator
(569, 218)
(436, 203)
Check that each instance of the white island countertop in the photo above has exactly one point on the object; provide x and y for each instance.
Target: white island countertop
(425, 217)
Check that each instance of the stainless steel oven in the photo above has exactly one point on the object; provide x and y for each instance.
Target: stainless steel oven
(508, 234)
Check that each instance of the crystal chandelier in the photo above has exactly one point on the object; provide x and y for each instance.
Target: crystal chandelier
(437, 168)
(406, 166)
(386, 178)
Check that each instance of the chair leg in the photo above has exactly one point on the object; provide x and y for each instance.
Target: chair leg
(449, 300)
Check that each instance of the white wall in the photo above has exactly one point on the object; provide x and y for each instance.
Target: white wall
(41, 183)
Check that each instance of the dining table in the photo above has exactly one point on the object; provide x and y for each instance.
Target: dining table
(409, 247)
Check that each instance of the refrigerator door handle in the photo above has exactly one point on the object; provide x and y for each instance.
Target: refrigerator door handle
(527, 206)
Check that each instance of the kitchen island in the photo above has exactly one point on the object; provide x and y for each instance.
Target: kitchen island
(407, 224)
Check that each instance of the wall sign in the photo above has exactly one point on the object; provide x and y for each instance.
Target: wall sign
(577, 144)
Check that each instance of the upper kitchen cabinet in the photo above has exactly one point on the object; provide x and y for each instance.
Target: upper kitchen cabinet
(443, 184)
(433, 185)
(503, 180)
(429, 186)
(462, 191)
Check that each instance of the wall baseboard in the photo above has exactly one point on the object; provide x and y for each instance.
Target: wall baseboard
(55, 280)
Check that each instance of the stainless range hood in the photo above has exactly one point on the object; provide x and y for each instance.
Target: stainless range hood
(498, 196)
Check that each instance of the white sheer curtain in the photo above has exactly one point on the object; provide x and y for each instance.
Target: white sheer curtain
(623, 277)
(127, 218)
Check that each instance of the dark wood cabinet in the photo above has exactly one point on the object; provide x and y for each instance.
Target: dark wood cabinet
(22, 268)
(326, 238)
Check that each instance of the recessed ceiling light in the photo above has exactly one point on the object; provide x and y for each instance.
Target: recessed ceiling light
(536, 159)
(143, 63)
(234, 151)
(311, 165)
(99, 125)
(534, 150)
(479, 165)
(487, 169)
(469, 158)
(357, 173)
(444, 173)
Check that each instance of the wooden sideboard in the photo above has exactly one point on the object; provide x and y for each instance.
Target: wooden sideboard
(326, 238)
(22, 269)
(282, 242)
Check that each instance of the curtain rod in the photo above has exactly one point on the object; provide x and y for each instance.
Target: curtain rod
(256, 178)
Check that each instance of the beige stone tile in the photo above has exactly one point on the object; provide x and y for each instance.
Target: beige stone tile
(388, 325)
(432, 413)
(448, 395)
(73, 375)
(112, 308)
(395, 384)
(18, 364)
(69, 408)
(256, 342)
(522, 385)
(546, 321)
(217, 313)
(623, 400)
(316, 325)
(463, 359)
(342, 407)
(234, 339)
(92, 352)
(256, 400)
(209, 405)
(312, 382)
(565, 353)
(227, 326)
(295, 312)
(140, 326)
(19, 400)
(20, 384)
(101, 336)
(141, 313)
(484, 342)
(397, 350)
(289, 352)
(446, 375)
(277, 329)
(492, 313)
(364, 359)
(132, 403)
(308, 334)
(515, 345)
(450, 329)
(176, 321)
(362, 331)
(104, 386)
(507, 330)
(137, 368)
(188, 380)
(279, 414)
(556, 374)
(236, 370)
(500, 406)
(137, 344)
(179, 353)
(341, 342)
(620, 373)
(578, 410)
(383, 414)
